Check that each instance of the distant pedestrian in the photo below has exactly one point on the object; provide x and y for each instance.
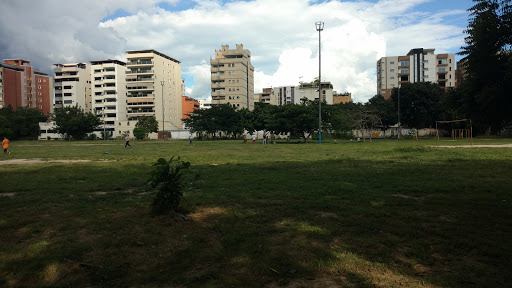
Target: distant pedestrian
(245, 139)
(5, 145)
(253, 139)
(264, 139)
(288, 139)
(190, 139)
(127, 138)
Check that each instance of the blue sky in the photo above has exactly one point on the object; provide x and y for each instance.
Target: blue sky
(280, 35)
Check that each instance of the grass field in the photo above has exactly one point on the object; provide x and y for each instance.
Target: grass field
(342, 214)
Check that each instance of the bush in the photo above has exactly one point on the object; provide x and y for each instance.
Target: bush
(139, 133)
(168, 177)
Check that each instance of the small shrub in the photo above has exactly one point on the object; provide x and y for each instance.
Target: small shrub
(167, 176)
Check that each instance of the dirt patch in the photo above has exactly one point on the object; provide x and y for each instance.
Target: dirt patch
(7, 194)
(38, 161)
(476, 146)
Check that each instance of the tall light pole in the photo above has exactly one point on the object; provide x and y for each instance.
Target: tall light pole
(399, 128)
(104, 124)
(319, 28)
(163, 110)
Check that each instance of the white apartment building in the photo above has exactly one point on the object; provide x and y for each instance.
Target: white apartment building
(73, 85)
(419, 65)
(232, 77)
(108, 79)
(310, 92)
(154, 88)
(285, 95)
(204, 103)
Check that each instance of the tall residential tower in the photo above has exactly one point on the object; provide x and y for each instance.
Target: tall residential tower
(153, 82)
(232, 77)
(419, 65)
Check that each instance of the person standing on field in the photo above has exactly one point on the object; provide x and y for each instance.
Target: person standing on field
(127, 138)
(5, 145)
(253, 139)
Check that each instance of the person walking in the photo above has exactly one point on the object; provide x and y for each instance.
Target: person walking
(190, 139)
(253, 139)
(5, 145)
(245, 139)
(127, 138)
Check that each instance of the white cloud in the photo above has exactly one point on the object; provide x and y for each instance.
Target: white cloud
(280, 35)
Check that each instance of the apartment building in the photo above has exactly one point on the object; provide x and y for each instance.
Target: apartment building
(419, 65)
(153, 83)
(73, 85)
(22, 85)
(344, 98)
(108, 79)
(232, 77)
(310, 92)
(285, 95)
(204, 103)
(189, 105)
(268, 95)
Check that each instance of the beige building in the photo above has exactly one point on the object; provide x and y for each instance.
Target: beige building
(344, 98)
(310, 92)
(108, 79)
(266, 96)
(73, 85)
(153, 83)
(232, 77)
(419, 65)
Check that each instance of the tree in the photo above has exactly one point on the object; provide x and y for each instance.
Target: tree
(419, 104)
(22, 123)
(384, 108)
(74, 122)
(485, 96)
(148, 124)
(139, 133)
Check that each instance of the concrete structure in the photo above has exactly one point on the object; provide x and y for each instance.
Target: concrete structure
(188, 106)
(204, 103)
(21, 86)
(285, 95)
(419, 65)
(344, 98)
(232, 77)
(310, 92)
(108, 79)
(73, 85)
(268, 95)
(153, 82)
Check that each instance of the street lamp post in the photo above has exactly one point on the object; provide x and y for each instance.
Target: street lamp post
(319, 28)
(399, 127)
(163, 110)
(104, 124)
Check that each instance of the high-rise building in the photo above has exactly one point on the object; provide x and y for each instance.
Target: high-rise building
(204, 103)
(108, 79)
(268, 95)
(419, 65)
(73, 85)
(153, 82)
(286, 95)
(232, 77)
(21, 86)
(189, 105)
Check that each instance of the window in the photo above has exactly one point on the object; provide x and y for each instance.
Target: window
(441, 61)
(392, 77)
(404, 70)
(38, 86)
(425, 68)
(68, 94)
(39, 80)
(425, 61)
(97, 71)
(404, 63)
(441, 69)
(450, 68)
(67, 87)
(68, 101)
(237, 81)
(40, 106)
(391, 70)
(392, 62)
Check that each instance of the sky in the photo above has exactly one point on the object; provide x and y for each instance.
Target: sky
(281, 35)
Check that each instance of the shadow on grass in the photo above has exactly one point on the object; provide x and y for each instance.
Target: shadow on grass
(345, 223)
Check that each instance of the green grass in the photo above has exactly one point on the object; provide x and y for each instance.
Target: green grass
(342, 214)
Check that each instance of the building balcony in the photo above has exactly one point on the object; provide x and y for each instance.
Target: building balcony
(442, 80)
(137, 95)
(218, 98)
(141, 112)
(133, 63)
(140, 88)
(140, 72)
(150, 79)
(218, 85)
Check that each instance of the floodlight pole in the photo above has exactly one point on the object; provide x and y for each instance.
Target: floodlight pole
(399, 126)
(163, 110)
(319, 28)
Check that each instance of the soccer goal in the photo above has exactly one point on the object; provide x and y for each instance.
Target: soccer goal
(456, 131)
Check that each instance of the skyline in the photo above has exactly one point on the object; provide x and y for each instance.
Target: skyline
(282, 38)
